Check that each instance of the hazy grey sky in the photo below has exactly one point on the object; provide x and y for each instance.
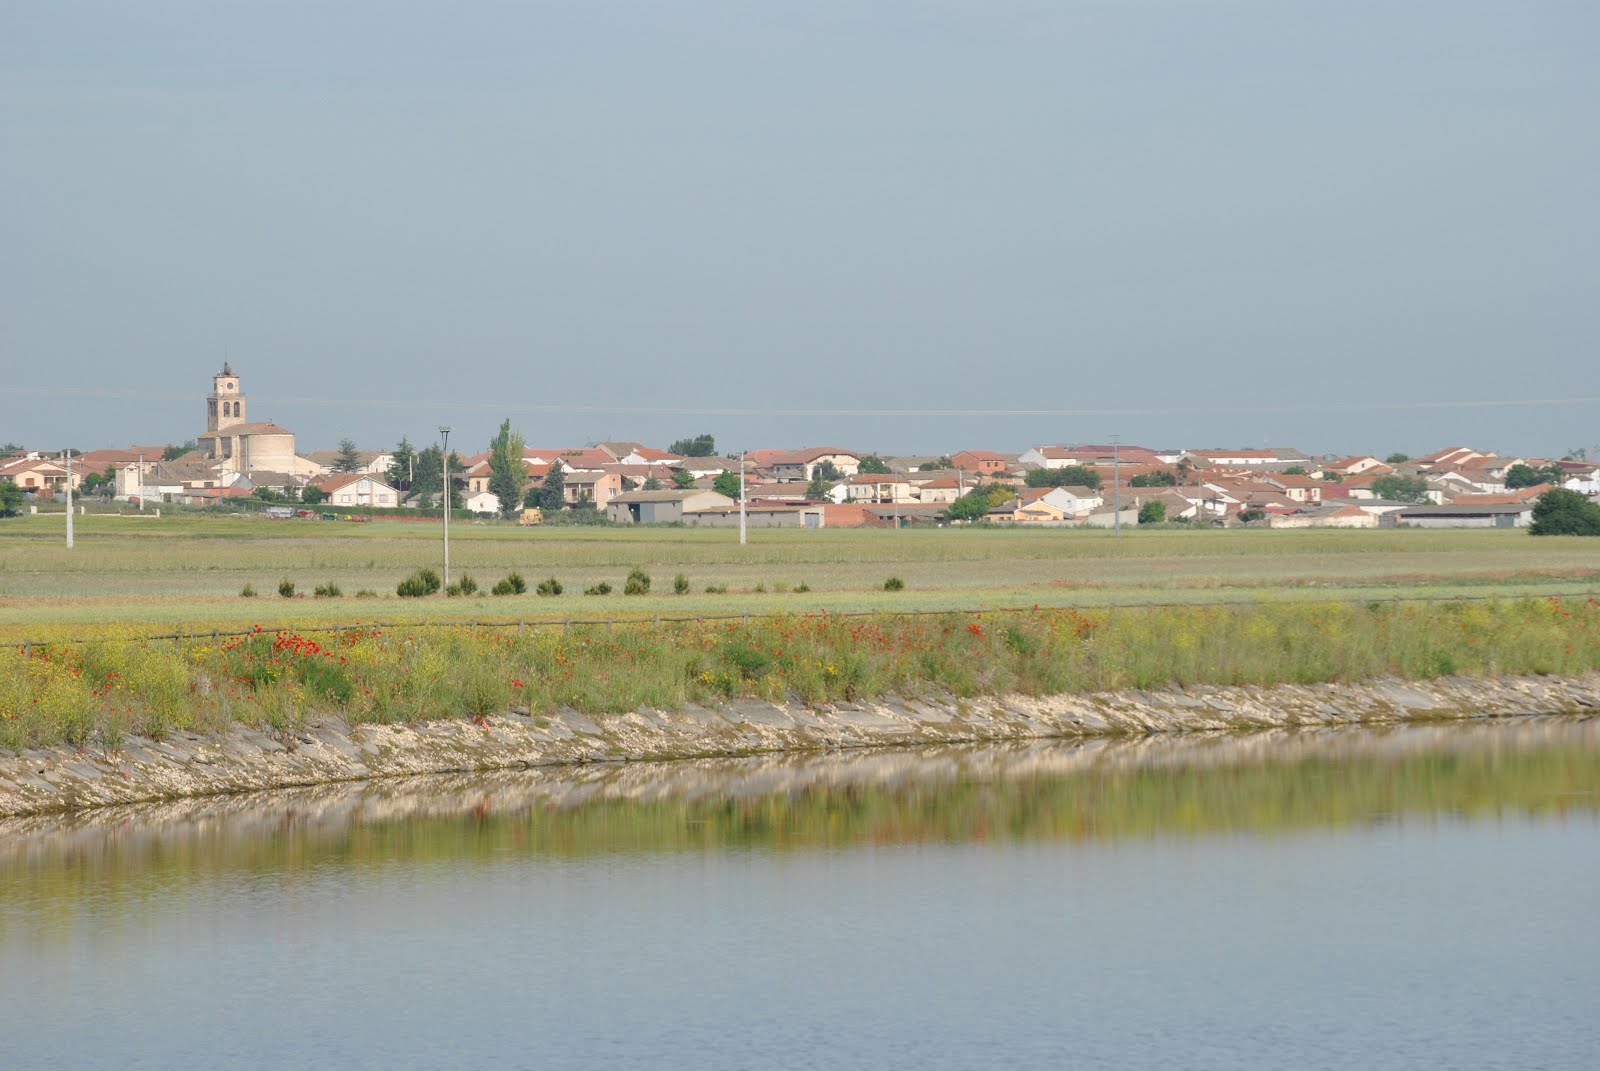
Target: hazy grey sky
(1248, 220)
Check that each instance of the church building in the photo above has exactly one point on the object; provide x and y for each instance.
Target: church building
(239, 446)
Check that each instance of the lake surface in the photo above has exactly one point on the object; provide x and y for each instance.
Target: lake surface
(1414, 897)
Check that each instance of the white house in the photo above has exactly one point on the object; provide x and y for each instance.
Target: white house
(356, 489)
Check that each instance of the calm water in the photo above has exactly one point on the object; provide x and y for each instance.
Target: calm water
(1414, 898)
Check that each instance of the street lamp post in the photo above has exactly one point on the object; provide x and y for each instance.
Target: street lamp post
(444, 457)
(1116, 484)
(69, 498)
(741, 499)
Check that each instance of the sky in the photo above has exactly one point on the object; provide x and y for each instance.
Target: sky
(892, 226)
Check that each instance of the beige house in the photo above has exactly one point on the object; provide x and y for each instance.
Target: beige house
(357, 489)
(802, 464)
(598, 488)
(940, 489)
(665, 507)
(868, 488)
(37, 474)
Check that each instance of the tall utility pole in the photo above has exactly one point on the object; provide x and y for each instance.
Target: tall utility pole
(1116, 484)
(69, 498)
(741, 499)
(444, 457)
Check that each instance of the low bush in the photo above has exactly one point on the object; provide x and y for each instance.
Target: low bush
(680, 585)
(420, 583)
(249, 591)
(550, 586)
(512, 584)
(716, 589)
(327, 591)
(894, 583)
(638, 583)
(467, 585)
(601, 588)
(801, 588)
(286, 589)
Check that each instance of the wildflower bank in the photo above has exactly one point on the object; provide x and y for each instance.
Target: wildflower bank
(106, 690)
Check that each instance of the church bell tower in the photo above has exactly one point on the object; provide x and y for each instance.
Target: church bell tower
(225, 405)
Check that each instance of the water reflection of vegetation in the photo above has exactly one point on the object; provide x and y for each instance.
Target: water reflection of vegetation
(1057, 793)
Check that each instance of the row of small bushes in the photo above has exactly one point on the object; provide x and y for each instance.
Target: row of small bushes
(426, 582)
(330, 590)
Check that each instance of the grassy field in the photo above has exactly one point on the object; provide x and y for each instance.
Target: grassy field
(186, 572)
(103, 691)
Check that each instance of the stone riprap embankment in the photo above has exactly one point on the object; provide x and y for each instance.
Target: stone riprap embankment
(327, 750)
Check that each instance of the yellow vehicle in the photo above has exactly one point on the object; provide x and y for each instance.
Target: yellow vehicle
(530, 516)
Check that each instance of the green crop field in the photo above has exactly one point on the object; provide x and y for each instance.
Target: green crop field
(188, 571)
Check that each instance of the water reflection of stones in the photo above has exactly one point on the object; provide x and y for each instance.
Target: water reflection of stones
(331, 811)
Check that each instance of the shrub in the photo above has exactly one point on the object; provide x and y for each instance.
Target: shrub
(467, 585)
(1152, 513)
(327, 591)
(420, 583)
(760, 588)
(366, 593)
(894, 583)
(453, 591)
(249, 591)
(638, 583)
(552, 586)
(680, 585)
(513, 584)
(801, 588)
(716, 589)
(601, 588)
(286, 589)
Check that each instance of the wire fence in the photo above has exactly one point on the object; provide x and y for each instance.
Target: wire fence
(523, 625)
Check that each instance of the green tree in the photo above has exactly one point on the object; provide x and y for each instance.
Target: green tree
(699, 446)
(349, 459)
(941, 462)
(508, 475)
(402, 467)
(726, 484)
(10, 499)
(682, 480)
(1251, 515)
(1070, 476)
(1154, 479)
(1523, 475)
(827, 470)
(1296, 470)
(969, 507)
(312, 494)
(99, 483)
(874, 465)
(818, 487)
(976, 503)
(1562, 512)
(651, 484)
(553, 492)
(172, 453)
(1152, 513)
(429, 476)
(1401, 488)
(1397, 459)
